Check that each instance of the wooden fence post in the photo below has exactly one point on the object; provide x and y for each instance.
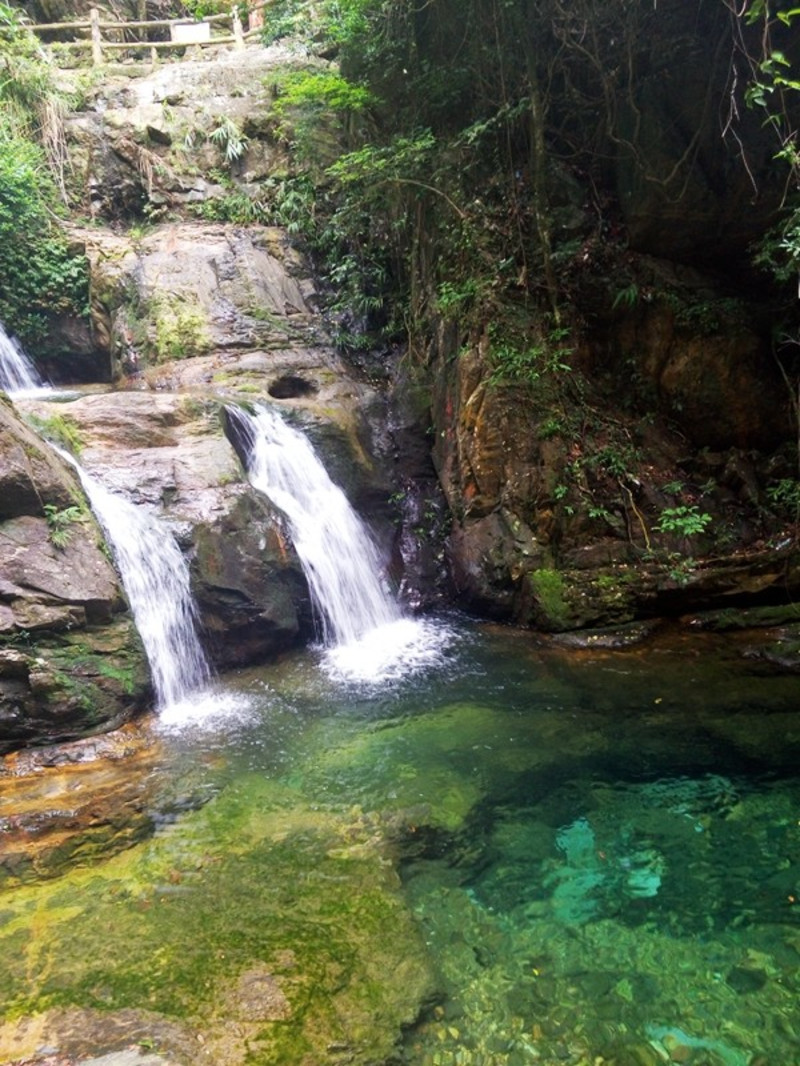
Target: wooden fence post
(97, 40)
(238, 33)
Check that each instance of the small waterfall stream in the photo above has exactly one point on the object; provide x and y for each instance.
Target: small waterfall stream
(155, 577)
(365, 633)
(17, 372)
(338, 555)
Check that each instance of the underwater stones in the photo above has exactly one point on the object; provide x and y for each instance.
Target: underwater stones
(257, 997)
(244, 934)
(633, 1054)
(113, 1038)
(434, 783)
(782, 652)
(622, 636)
(81, 800)
(744, 979)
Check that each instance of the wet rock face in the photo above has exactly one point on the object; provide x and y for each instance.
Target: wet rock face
(251, 593)
(189, 288)
(564, 523)
(681, 343)
(70, 663)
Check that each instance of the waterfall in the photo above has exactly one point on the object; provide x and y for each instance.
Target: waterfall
(366, 635)
(155, 577)
(17, 372)
(338, 556)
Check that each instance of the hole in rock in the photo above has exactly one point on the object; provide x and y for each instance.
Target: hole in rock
(291, 387)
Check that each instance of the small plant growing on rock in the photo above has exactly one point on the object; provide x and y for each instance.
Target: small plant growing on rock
(61, 522)
(684, 521)
(230, 140)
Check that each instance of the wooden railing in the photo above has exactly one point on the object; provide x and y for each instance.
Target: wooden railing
(183, 32)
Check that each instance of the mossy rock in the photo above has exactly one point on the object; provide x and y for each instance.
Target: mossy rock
(221, 920)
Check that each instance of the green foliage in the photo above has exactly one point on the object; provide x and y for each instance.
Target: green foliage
(293, 204)
(229, 138)
(236, 207)
(785, 495)
(681, 570)
(40, 275)
(551, 427)
(199, 9)
(528, 364)
(453, 299)
(62, 522)
(319, 90)
(683, 521)
(779, 250)
(773, 90)
(628, 297)
(311, 106)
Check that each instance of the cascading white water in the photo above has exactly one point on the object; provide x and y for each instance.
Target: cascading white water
(17, 372)
(155, 577)
(338, 555)
(367, 637)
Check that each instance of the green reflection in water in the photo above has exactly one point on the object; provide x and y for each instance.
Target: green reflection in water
(599, 854)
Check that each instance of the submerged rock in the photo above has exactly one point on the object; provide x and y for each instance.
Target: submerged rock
(290, 962)
(76, 802)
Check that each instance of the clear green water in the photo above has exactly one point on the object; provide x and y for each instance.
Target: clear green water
(565, 857)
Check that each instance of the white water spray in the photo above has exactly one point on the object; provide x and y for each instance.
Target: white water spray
(366, 635)
(17, 373)
(338, 555)
(155, 577)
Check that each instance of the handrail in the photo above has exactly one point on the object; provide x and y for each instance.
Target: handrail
(238, 36)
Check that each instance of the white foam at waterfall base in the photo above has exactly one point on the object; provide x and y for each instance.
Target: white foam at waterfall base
(389, 652)
(206, 709)
(155, 577)
(18, 376)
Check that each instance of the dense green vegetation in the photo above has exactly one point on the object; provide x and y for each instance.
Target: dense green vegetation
(482, 147)
(40, 275)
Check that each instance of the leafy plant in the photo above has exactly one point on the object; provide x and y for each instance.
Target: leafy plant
(785, 495)
(229, 138)
(627, 297)
(236, 207)
(551, 427)
(684, 521)
(681, 570)
(454, 299)
(514, 362)
(61, 523)
(41, 276)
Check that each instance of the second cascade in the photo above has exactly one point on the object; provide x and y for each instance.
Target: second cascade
(362, 626)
